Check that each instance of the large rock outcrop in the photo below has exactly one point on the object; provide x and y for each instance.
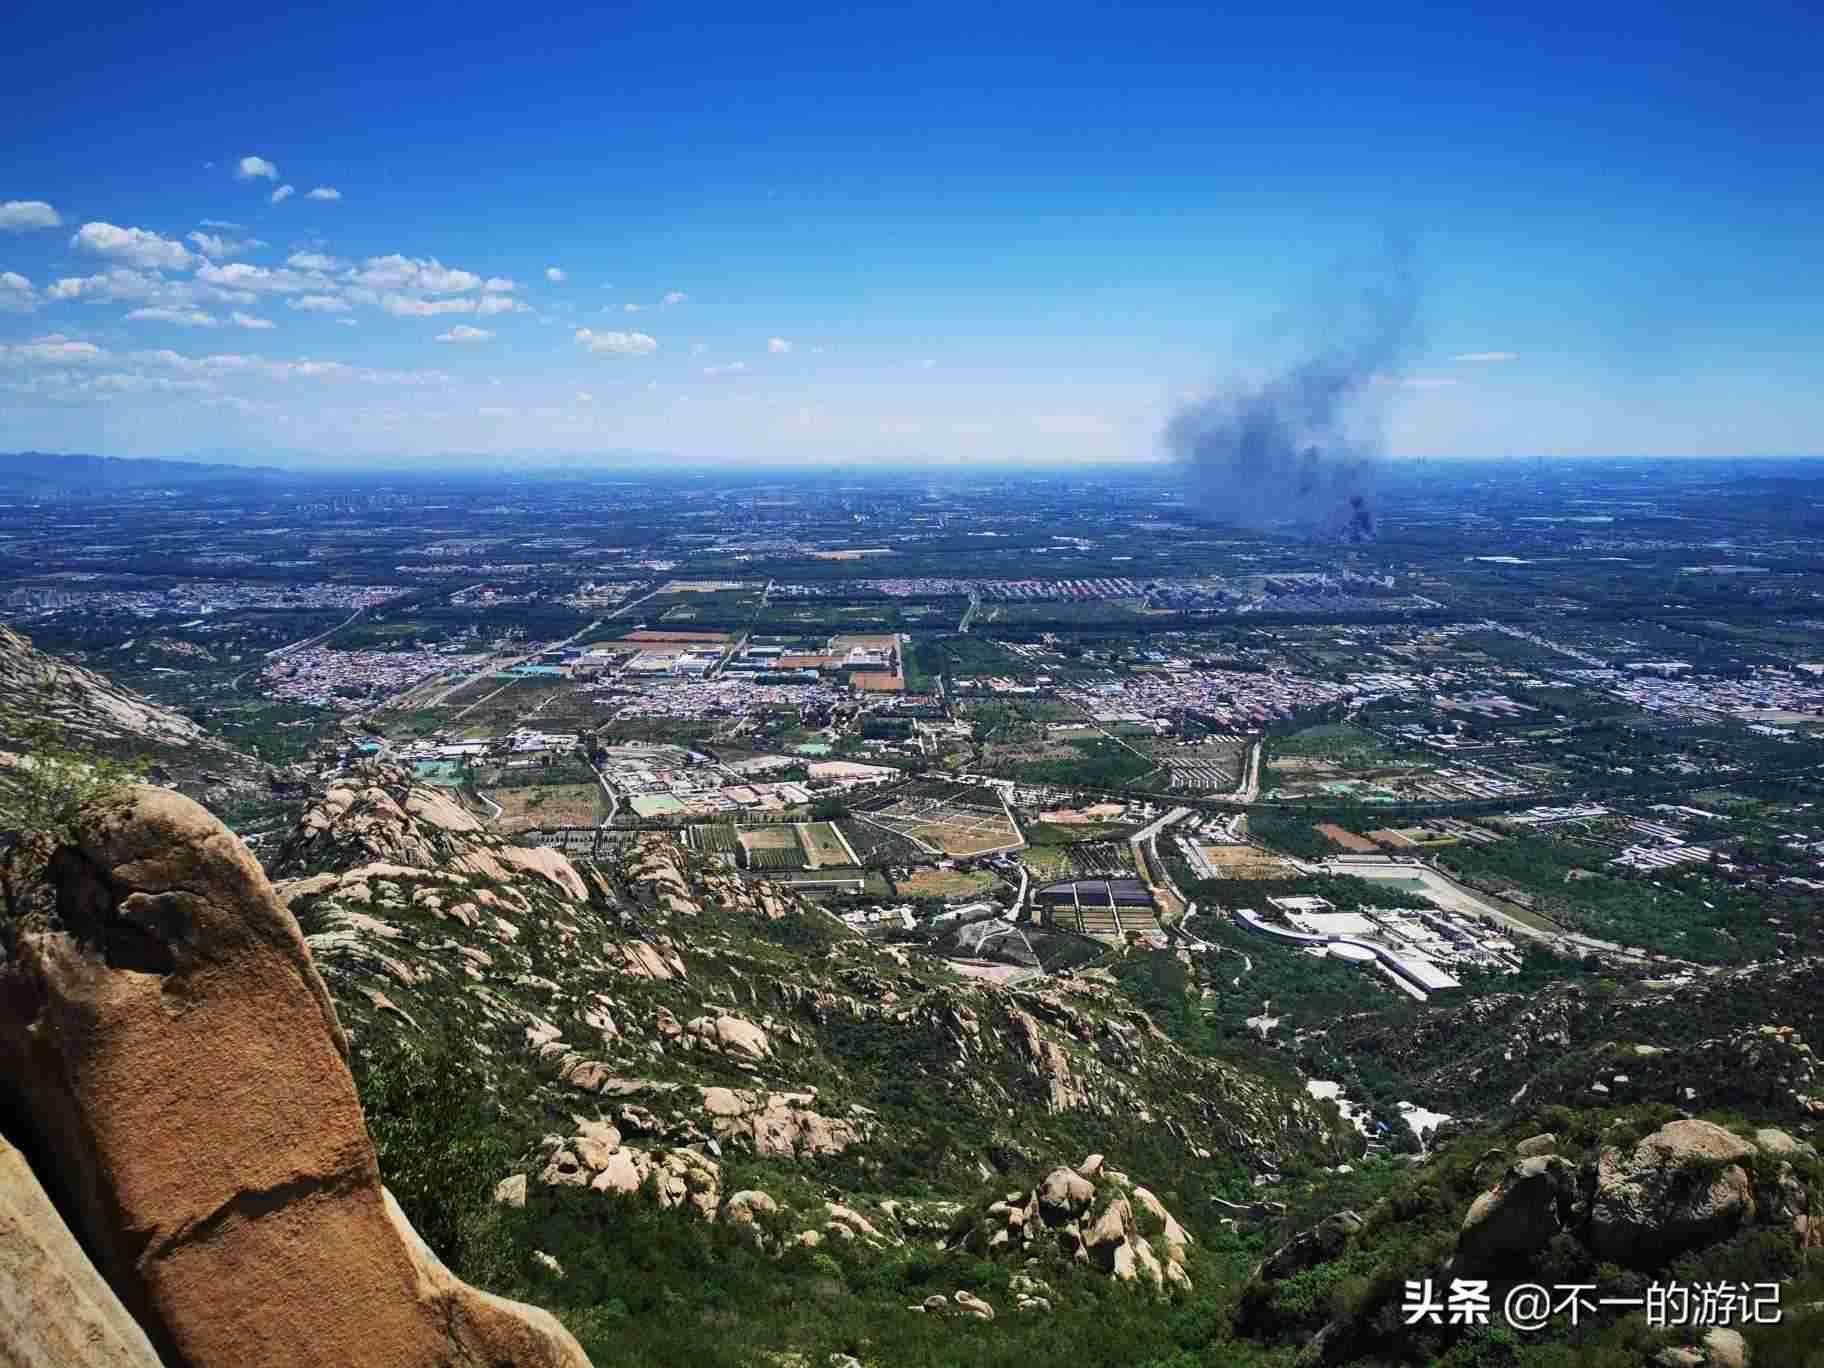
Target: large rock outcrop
(164, 1032)
(1091, 1214)
(1685, 1185)
(595, 1157)
(1519, 1217)
(1691, 1183)
(56, 1311)
(1323, 1241)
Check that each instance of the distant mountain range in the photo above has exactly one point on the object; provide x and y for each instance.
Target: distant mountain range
(43, 472)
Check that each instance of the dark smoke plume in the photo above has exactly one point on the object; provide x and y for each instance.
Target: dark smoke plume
(1300, 447)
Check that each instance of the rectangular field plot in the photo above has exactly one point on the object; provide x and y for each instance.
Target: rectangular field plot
(955, 819)
(824, 847)
(719, 838)
(1240, 862)
(876, 846)
(770, 848)
(1102, 857)
(1099, 921)
(532, 806)
(1212, 765)
(945, 883)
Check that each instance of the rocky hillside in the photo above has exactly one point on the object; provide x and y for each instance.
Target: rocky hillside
(185, 1176)
(702, 1121)
(1616, 1202)
(690, 1009)
(41, 694)
(1728, 1039)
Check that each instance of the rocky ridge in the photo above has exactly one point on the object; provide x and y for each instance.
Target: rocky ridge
(1633, 1200)
(1573, 1046)
(90, 712)
(686, 1009)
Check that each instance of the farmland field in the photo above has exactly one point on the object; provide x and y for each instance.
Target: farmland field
(877, 846)
(823, 846)
(527, 807)
(957, 819)
(772, 847)
(716, 838)
(1243, 862)
(945, 883)
(1102, 857)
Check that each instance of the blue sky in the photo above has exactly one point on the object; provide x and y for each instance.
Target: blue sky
(944, 233)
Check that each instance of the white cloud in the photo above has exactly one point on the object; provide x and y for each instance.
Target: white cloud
(283, 193)
(733, 368)
(409, 306)
(16, 293)
(462, 332)
(318, 303)
(1417, 381)
(397, 272)
(630, 308)
(135, 246)
(499, 304)
(777, 346)
(243, 320)
(622, 343)
(315, 261)
(19, 215)
(554, 274)
(119, 285)
(223, 223)
(216, 246)
(53, 349)
(499, 285)
(230, 363)
(348, 322)
(255, 168)
(698, 348)
(674, 297)
(1485, 357)
(185, 318)
(584, 397)
(241, 275)
(324, 192)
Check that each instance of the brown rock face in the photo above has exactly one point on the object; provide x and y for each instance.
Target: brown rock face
(55, 1309)
(168, 1039)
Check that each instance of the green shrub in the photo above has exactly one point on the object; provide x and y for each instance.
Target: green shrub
(441, 1147)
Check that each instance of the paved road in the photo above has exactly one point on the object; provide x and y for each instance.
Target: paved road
(1250, 790)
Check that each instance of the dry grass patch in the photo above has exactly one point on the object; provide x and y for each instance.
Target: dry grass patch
(944, 883)
(1244, 862)
(545, 805)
